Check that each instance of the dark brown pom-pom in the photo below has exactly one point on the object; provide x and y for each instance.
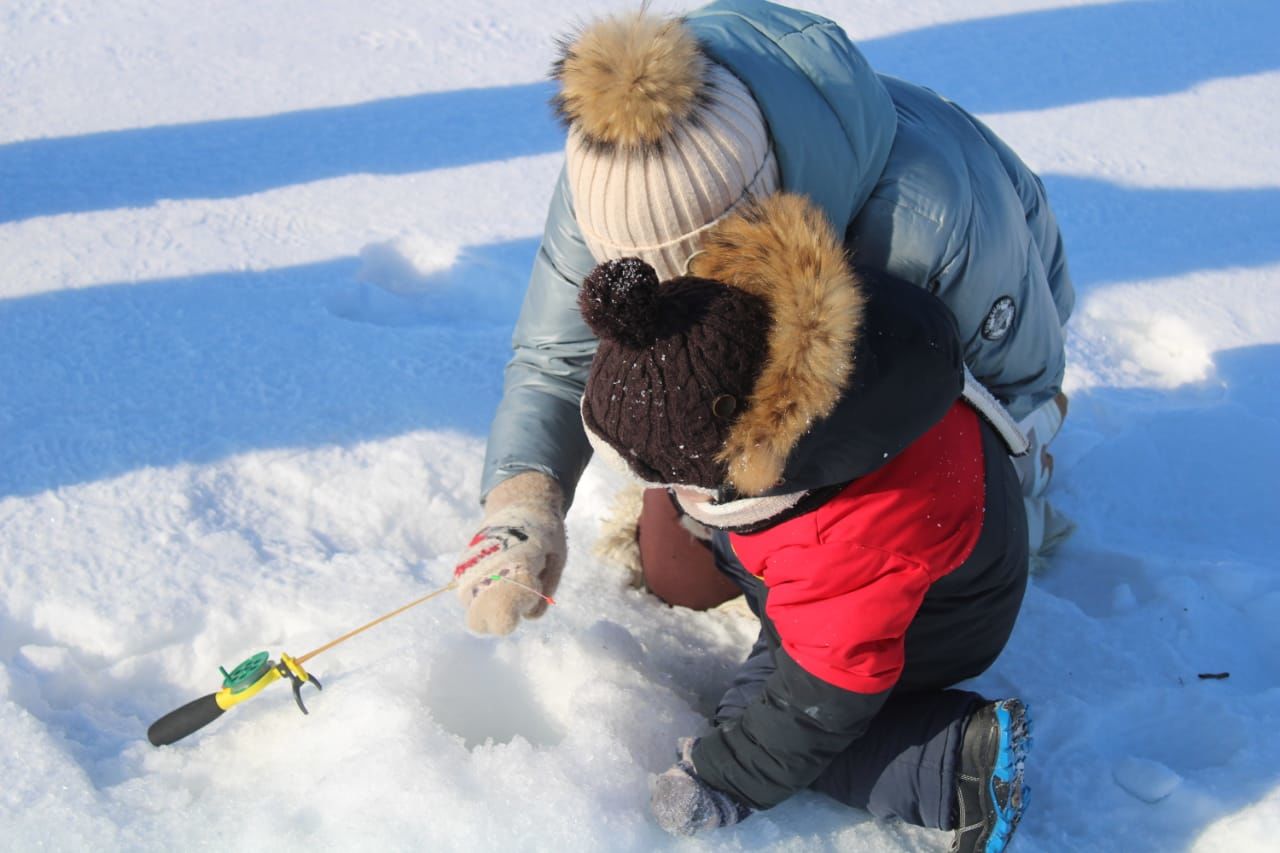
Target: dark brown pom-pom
(619, 301)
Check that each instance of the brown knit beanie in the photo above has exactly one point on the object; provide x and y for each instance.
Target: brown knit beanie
(675, 367)
(711, 380)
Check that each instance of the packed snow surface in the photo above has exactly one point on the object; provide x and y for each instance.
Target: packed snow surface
(259, 263)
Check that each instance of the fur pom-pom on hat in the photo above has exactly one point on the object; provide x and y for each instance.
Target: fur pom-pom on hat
(662, 143)
(629, 80)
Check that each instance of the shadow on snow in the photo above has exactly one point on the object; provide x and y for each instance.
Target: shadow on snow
(1186, 472)
(1115, 233)
(1169, 575)
(1058, 57)
(105, 380)
(235, 157)
(1025, 61)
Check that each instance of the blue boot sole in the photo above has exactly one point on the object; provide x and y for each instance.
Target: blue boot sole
(1008, 795)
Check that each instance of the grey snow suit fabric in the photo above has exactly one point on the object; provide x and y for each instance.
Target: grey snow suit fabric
(921, 189)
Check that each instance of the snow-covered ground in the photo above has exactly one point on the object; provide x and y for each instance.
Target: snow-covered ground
(258, 266)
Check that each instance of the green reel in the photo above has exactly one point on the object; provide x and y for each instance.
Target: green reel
(246, 673)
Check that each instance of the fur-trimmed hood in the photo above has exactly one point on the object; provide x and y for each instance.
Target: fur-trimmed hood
(782, 250)
(859, 364)
(844, 368)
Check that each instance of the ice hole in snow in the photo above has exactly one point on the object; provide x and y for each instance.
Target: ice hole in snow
(473, 692)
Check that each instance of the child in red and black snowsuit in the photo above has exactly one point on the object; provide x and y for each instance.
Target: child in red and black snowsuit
(820, 422)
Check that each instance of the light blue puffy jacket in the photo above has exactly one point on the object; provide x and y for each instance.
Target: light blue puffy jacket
(925, 191)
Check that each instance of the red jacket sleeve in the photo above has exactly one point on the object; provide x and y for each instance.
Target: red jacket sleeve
(842, 610)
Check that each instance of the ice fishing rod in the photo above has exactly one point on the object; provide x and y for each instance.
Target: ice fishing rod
(253, 674)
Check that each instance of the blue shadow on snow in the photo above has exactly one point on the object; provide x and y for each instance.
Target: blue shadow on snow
(1115, 233)
(1186, 472)
(1025, 61)
(235, 157)
(104, 380)
(1057, 57)
(1175, 492)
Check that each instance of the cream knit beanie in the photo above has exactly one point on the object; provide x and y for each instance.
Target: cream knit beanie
(662, 141)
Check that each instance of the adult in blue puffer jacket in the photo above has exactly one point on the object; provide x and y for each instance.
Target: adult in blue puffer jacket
(673, 124)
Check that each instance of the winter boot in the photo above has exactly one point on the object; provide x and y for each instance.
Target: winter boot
(990, 795)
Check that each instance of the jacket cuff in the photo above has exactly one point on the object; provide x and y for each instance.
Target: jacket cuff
(784, 740)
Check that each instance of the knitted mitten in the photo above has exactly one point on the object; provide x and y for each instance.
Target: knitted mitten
(512, 565)
(684, 805)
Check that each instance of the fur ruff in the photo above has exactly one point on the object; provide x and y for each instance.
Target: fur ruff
(629, 80)
(783, 250)
(619, 542)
